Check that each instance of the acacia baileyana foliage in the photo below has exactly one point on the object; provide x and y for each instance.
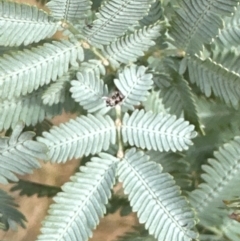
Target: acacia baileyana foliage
(155, 86)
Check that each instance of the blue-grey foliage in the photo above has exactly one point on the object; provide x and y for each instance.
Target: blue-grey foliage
(24, 24)
(114, 18)
(190, 28)
(40, 66)
(157, 131)
(133, 82)
(82, 201)
(19, 154)
(156, 198)
(89, 91)
(84, 136)
(221, 178)
(152, 83)
(130, 47)
(69, 10)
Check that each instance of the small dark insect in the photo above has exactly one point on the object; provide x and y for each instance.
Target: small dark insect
(116, 98)
(89, 26)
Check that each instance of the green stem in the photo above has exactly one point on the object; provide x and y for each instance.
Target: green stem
(118, 123)
(104, 60)
(85, 44)
(70, 27)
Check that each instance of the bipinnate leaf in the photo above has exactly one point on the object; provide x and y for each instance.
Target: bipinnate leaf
(214, 78)
(84, 136)
(69, 10)
(24, 24)
(28, 109)
(129, 48)
(228, 36)
(156, 198)
(89, 91)
(155, 13)
(221, 180)
(40, 66)
(93, 65)
(134, 84)
(19, 154)
(157, 131)
(190, 27)
(154, 103)
(114, 18)
(81, 202)
(57, 91)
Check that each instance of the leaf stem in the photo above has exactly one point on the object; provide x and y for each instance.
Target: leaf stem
(104, 60)
(85, 44)
(118, 123)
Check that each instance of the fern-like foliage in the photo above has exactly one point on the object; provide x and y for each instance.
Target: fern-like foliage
(174, 164)
(24, 24)
(128, 48)
(170, 94)
(175, 92)
(19, 154)
(9, 215)
(156, 198)
(154, 103)
(157, 131)
(89, 91)
(190, 28)
(212, 77)
(210, 112)
(69, 10)
(221, 180)
(133, 72)
(93, 65)
(83, 136)
(57, 91)
(229, 35)
(167, 79)
(134, 84)
(231, 229)
(82, 201)
(29, 109)
(154, 14)
(227, 58)
(177, 96)
(114, 18)
(40, 66)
